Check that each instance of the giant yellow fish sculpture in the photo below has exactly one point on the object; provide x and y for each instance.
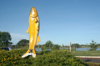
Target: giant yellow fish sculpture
(33, 31)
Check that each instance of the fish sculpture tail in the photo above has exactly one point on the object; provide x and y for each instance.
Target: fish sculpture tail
(29, 52)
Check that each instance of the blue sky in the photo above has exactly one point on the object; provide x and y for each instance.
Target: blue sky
(61, 21)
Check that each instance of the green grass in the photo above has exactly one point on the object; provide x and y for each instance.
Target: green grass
(86, 53)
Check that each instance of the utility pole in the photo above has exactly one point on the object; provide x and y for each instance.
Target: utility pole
(70, 47)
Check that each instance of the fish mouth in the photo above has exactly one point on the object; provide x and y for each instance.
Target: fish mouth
(32, 17)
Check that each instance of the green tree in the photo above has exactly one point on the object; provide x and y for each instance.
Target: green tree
(63, 46)
(76, 45)
(5, 38)
(93, 46)
(98, 45)
(49, 44)
(22, 43)
(56, 47)
(13, 46)
(43, 48)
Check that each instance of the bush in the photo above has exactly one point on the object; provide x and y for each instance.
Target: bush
(52, 58)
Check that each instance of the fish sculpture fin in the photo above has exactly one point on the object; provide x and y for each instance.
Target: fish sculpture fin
(27, 30)
(38, 39)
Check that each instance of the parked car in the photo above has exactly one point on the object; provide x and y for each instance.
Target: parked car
(5, 48)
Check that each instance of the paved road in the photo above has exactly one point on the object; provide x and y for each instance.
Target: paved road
(94, 60)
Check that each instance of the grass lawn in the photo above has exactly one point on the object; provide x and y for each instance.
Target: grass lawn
(86, 53)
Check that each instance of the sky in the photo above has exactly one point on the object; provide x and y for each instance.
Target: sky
(61, 21)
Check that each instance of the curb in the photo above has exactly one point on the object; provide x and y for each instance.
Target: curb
(88, 56)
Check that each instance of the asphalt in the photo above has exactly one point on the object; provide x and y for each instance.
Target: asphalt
(94, 60)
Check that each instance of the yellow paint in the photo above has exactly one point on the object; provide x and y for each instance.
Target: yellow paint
(33, 30)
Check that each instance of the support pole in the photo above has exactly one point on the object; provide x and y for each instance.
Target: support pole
(70, 47)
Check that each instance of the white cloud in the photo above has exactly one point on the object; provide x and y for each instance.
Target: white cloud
(16, 37)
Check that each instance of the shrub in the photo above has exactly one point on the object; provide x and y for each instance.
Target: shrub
(52, 58)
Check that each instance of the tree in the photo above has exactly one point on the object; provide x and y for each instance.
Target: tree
(63, 46)
(49, 44)
(56, 47)
(43, 48)
(98, 45)
(13, 46)
(76, 45)
(22, 43)
(93, 46)
(5, 38)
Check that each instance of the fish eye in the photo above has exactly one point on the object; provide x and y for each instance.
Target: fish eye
(36, 21)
